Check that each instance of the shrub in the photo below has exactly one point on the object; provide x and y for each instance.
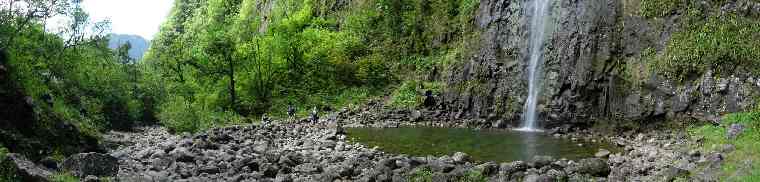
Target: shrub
(658, 8)
(64, 177)
(180, 115)
(720, 43)
(406, 96)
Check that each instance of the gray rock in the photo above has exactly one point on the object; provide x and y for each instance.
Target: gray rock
(96, 164)
(25, 170)
(672, 173)
(734, 131)
(181, 154)
(509, 168)
(91, 178)
(460, 157)
(415, 116)
(541, 161)
(594, 166)
(487, 169)
(602, 153)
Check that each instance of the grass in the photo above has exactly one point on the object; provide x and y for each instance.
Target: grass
(743, 164)
(426, 175)
(422, 175)
(64, 177)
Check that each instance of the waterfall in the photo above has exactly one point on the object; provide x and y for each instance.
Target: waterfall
(536, 44)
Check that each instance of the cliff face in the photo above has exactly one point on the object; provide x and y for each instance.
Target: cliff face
(594, 69)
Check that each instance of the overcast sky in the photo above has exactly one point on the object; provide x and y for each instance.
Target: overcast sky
(138, 17)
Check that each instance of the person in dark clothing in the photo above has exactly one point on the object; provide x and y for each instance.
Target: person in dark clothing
(291, 110)
(314, 115)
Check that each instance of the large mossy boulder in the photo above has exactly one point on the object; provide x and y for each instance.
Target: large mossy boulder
(96, 164)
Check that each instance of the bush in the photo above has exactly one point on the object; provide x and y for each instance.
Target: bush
(720, 43)
(373, 71)
(180, 115)
(64, 177)
(658, 8)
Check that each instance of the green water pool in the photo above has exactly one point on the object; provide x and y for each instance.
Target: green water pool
(482, 145)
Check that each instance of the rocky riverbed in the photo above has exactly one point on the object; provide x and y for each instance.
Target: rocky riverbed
(303, 152)
(298, 151)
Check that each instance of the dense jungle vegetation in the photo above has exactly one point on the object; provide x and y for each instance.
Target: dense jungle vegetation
(222, 62)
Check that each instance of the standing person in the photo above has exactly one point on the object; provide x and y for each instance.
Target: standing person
(291, 111)
(314, 115)
(264, 119)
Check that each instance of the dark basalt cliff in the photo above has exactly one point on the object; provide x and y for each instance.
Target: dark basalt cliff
(595, 49)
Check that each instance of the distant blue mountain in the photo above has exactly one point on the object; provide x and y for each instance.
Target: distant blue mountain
(139, 44)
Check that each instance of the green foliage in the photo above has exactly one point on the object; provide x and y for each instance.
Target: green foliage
(658, 8)
(473, 176)
(250, 57)
(7, 174)
(721, 43)
(180, 115)
(406, 96)
(422, 175)
(744, 163)
(63, 177)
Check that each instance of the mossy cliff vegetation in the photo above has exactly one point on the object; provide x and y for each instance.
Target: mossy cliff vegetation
(618, 61)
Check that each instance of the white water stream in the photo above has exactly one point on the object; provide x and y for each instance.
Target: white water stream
(540, 9)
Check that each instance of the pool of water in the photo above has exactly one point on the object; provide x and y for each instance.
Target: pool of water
(482, 145)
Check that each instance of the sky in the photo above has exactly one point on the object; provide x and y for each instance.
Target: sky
(137, 17)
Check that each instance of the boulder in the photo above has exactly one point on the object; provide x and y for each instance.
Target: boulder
(594, 166)
(460, 157)
(734, 131)
(415, 116)
(487, 169)
(24, 169)
(602, 153)
(509, 168)
(541, 161)
(95, 164)
(671, 173)
(181, 154)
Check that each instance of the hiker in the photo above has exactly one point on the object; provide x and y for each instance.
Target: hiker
(291, 110)
(314, 115)
(265, 119)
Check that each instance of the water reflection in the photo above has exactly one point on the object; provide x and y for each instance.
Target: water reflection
(486, 145)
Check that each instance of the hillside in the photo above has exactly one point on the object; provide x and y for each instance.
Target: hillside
(138, 44)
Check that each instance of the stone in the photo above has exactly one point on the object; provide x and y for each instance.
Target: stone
(727, 148)
(95, 164)
(541, 161)
(91, 178)
(415, 116)
(734, 131)
(672, 173)
(602, 153)
(26, 170)
(487, 169)
(181, 154)
(509, 168)
(460, 157)
(594, 166)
